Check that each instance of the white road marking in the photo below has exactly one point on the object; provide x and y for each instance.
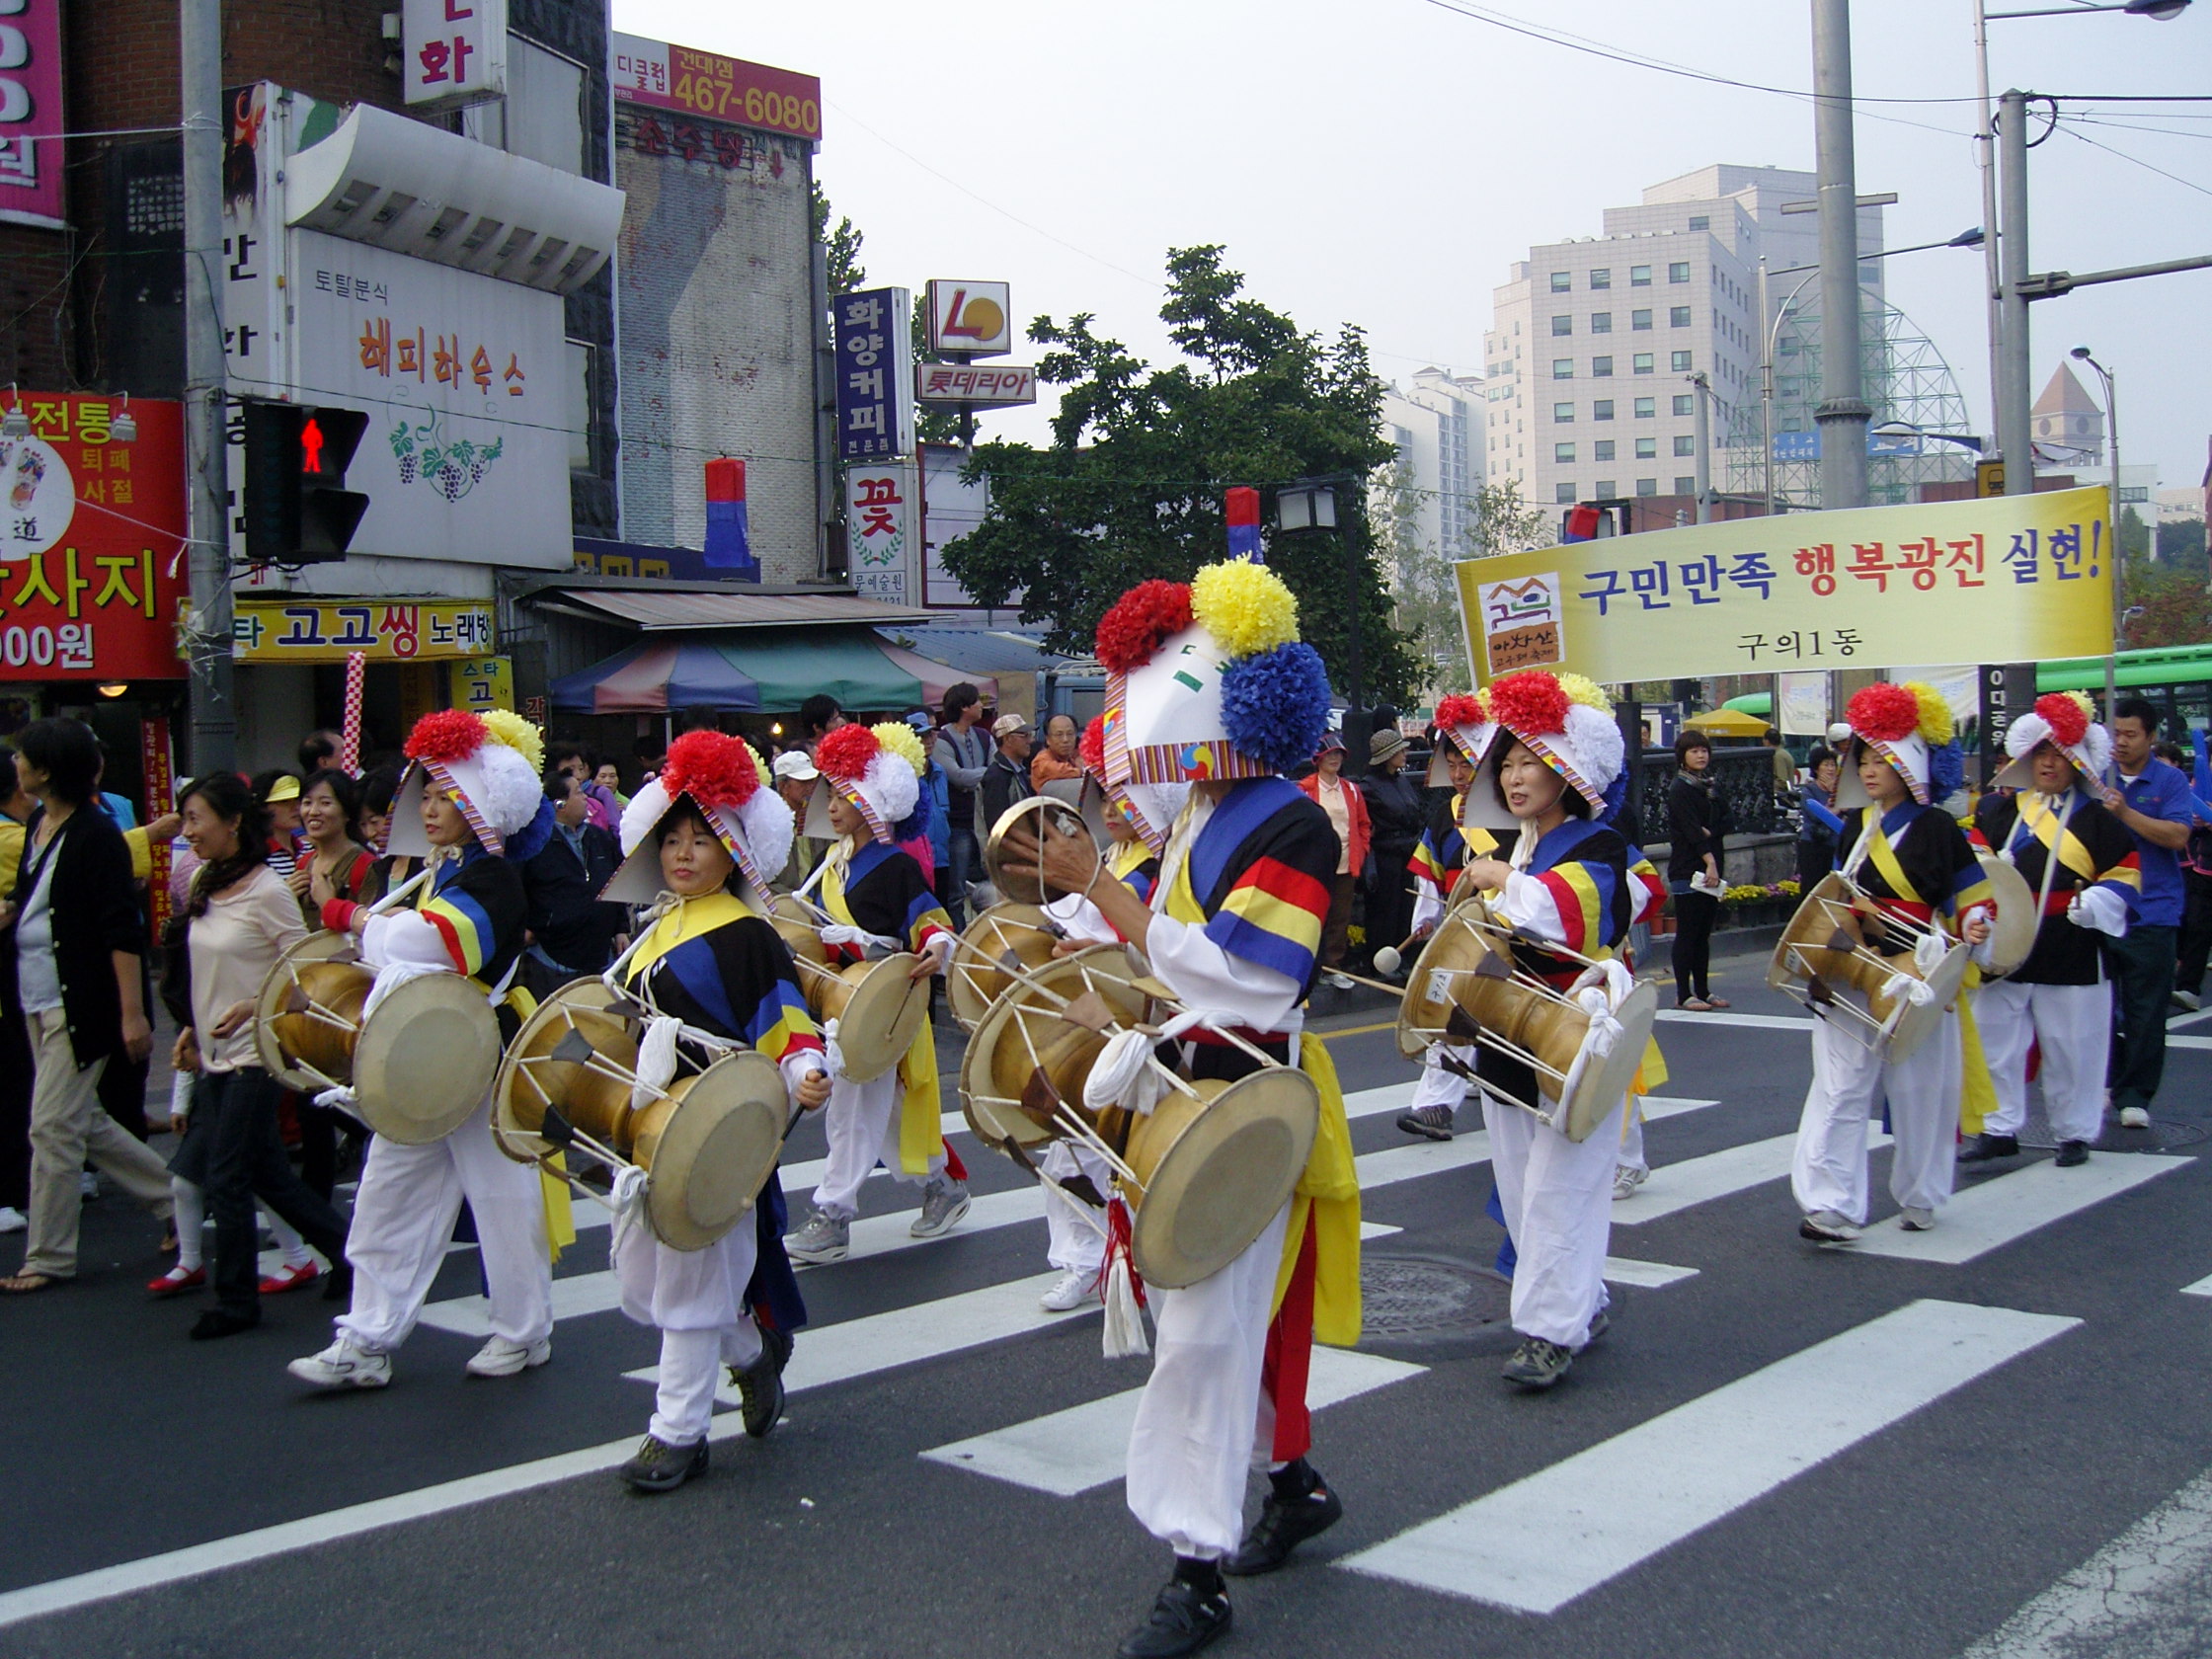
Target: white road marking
(1680, 1186)
(1993, 1213)
(2202, 1288)
(1751, 1022)
(1087, 1446)
(1559, 1533)
(2189, 1042)
(1649, 1276)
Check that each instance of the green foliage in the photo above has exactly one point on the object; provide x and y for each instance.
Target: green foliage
(1423, 580)
(2176, 608)
(1131, 486)
(846, 273)
(2135, 535)
(2182, 548)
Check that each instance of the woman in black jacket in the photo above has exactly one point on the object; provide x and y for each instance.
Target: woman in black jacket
(1696, 822)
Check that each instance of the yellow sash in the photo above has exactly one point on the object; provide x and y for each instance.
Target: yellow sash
(1977, 1099)
(920, 1132)
(1883, 857)
(686, 920)
(2044, 825)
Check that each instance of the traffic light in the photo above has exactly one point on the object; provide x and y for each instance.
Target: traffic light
(297, 508)
(1588, 520)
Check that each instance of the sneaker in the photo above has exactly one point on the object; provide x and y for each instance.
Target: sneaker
(1183, 1619)
(13, 1220)
(501, 1358)
(1338, 982)
(344, 1366)
(1284, 1525)
(1825, 1226)
(1069, 1292)
(2072, 1153)
(943, 1203)
(658, 1467)
(760, 1389)
(1433, 1122)
(88, 1186)
(1916, 1220)
(779, 1344)
(290, 1278)
(1626, 1178)
(2187, 1000)
(1985, 1146)
(2134, 1117)
(824, 1238)
(177, 1281)
(1600, 1322)
(1537, 1364)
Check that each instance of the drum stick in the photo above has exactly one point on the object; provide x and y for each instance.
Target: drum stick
(400, 892)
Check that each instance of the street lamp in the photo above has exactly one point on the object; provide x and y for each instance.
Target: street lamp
(1305, 506)
(1309, 504)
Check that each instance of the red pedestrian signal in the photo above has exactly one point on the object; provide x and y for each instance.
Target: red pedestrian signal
(296, 508)
(311, 446)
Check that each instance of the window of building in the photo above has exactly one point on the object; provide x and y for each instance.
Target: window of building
(1678, 316)
(1647, 485)
(1647, 448)
(1685, 444)
(1562, 412)
(1640, 319)
(1685, 484)
(1563, 453)
(1563, 324)
(1700, 221)
(1641, 362)
(1679, 362)
(1684, 405)
(1562, 368)
(1601, 322)
(1608, 490)
(1600, 278)
(1602, 410)
(1639, 275)
(1679, 271)
(1562, 281)
(1603, 450)
(1601, 368)
(1563, 494)
(1645, 408)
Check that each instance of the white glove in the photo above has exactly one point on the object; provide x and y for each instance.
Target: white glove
(627, 1199)
(837, 933)
(833, 1057)
(2100, 910)
(1124, 1073)
(656, 1065)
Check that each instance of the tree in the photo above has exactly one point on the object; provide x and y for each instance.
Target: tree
(1132, 484)
(2175, 609)
(846, 273)
(2182, 548)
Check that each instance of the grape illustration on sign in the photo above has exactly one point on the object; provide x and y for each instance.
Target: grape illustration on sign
(451, 467)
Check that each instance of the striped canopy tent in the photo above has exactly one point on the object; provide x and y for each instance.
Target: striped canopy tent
(764, 674)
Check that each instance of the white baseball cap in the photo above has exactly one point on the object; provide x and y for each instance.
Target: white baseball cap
(796, 763)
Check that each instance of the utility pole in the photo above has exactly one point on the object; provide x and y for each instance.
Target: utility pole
(1985, 158)
(2016, 436)
(1703, 442)
(1843, 414)
(206, 642)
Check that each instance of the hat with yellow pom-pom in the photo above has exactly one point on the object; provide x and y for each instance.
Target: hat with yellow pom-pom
(1209, 680)
(2062, 719)
(1565, 719)
(723, 777)
(489, 763)
(878, 768)
(1909, 724)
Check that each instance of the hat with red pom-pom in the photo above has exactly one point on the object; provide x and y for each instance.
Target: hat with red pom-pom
(2062, 719)
(723, 777)
(1909, 724)
(1566, 722)
(1462, 723)
(878, 768)
(489, 763)
(1209, 680)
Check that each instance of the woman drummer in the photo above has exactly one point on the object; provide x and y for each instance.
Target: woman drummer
(704, 830)
(1912, 861)
(1553, 772)
(2081, 862)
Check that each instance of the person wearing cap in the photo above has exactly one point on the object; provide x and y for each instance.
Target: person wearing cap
(796, 775)
(1396, 813)
(279, 793)
(1207, 684)
(1007, 779)
(2081, 863)
(704, 830)
(1911, 858)
(1055, 762)
(878, 905)
(474, 805)
(1346, 806)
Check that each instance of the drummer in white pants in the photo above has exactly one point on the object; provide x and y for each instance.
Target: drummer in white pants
(1463, 733)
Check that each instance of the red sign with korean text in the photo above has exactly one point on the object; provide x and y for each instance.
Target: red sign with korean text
(31, 124)
(92, 541)
(705, 83)
(159, 769)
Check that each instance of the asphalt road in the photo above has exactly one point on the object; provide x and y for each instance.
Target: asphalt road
(1779, 1450)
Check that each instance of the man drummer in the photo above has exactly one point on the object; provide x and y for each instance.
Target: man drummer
(2081, 862)
(1919, 879)
(473, 804)
(707, 830)
(879, 904)
(1209, 685)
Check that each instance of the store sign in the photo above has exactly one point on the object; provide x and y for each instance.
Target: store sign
(974, 385)
(880, 532)
(2025, 577)
(30, 123)
(703, 83)
(480, 685)
(452, 52)
(875, 369)
(971, 318)
(382, 631)
(157, 764)
(92, 541)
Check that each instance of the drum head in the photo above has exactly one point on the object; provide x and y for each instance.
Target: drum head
(1029, 815)
(719, 1147)
(1426, 1003)
(1916, 1021)
(1103, 969)
(2014, 936)
(1603, 1084)
(276, 989)
(425, 1058)
(1813, 925)
(971, 982)
(881, 1020)
(524, 1076)
(1218, 1186)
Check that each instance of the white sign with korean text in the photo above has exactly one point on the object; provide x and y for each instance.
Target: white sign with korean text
(452, 52)
(880, 532)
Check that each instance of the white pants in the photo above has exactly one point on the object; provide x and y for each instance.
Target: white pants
(691, 1363)
(697, 1299)
(1557, 1199)
(1075, 1241)
(1849, 1083)
(1199, 1426)
(1630, 1155)
(1439, 1087)
(2074, 1025)
(403, 1220)
(861, 1122)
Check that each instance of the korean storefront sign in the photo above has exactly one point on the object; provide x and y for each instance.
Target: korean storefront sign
(880, 522)
(31, 124)
(702, 83)
(875, 374)
(452, 52)
(92, 538)
(479, 684)
(383, 631)
(975, 319)
(975, 385)
(2020, 578)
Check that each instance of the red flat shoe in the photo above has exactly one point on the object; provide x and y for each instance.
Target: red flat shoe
(177, 1281)
(290, 1279)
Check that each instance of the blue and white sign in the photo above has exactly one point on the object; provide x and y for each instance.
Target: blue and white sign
(875, 374)
(1805, 446)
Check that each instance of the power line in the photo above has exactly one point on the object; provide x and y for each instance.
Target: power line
(2188, 183)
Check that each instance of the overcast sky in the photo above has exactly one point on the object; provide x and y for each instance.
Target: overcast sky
(1383, 163)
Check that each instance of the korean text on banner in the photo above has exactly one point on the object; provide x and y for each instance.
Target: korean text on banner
(875, 374)
(331, 630)
(452, 52)
(879, 531)
(705, 83)
(31, 124)
(2018, 578)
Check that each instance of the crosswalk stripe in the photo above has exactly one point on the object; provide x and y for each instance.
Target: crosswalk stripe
(1559, 1533)
(1649, 1276)
(1993, 1213)
(1750, 1022)
(2202, 1288)
(1068, 1452)
(1680, 1186)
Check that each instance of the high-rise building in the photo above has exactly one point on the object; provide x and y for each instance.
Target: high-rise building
(1436, 421)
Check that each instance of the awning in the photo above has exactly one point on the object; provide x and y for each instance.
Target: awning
(657, 678)
(1752, 702)
(660, 609)
(755, 674)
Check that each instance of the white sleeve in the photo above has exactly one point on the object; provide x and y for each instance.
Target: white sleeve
(1428, 905)
(1527, 905)
(404, 936)
(800, 1065)
(1204, 976)
(2099, 909)
(1081, 921)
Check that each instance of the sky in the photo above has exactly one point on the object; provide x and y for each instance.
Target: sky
(1383, 164)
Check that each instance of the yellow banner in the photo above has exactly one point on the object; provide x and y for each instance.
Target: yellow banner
(2014, 579)
(481, 683)
(382, 630)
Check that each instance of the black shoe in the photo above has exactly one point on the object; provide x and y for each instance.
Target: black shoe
(779, 1344)
(1183, 1619)
(1537, 1364)
(761, 1391)
(1284, 1525)
(1983, 1148)
(222, 1321)
(337, 1283)
(2071, 1153)
(659, 1467)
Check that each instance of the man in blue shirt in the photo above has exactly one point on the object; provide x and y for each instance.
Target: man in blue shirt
(2154, 801)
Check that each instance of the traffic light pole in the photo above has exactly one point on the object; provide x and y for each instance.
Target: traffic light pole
(206, 631)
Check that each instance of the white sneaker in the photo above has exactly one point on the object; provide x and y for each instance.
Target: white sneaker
(1627, 1178)
(1915, 1220)
(2134, 1117)
(1340, 982)
(501, 1358)
(11, 1219)
(344, 1366)
(2188, 1000)
(1069, 1294)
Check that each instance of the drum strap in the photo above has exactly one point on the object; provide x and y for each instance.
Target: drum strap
(2051, 826)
